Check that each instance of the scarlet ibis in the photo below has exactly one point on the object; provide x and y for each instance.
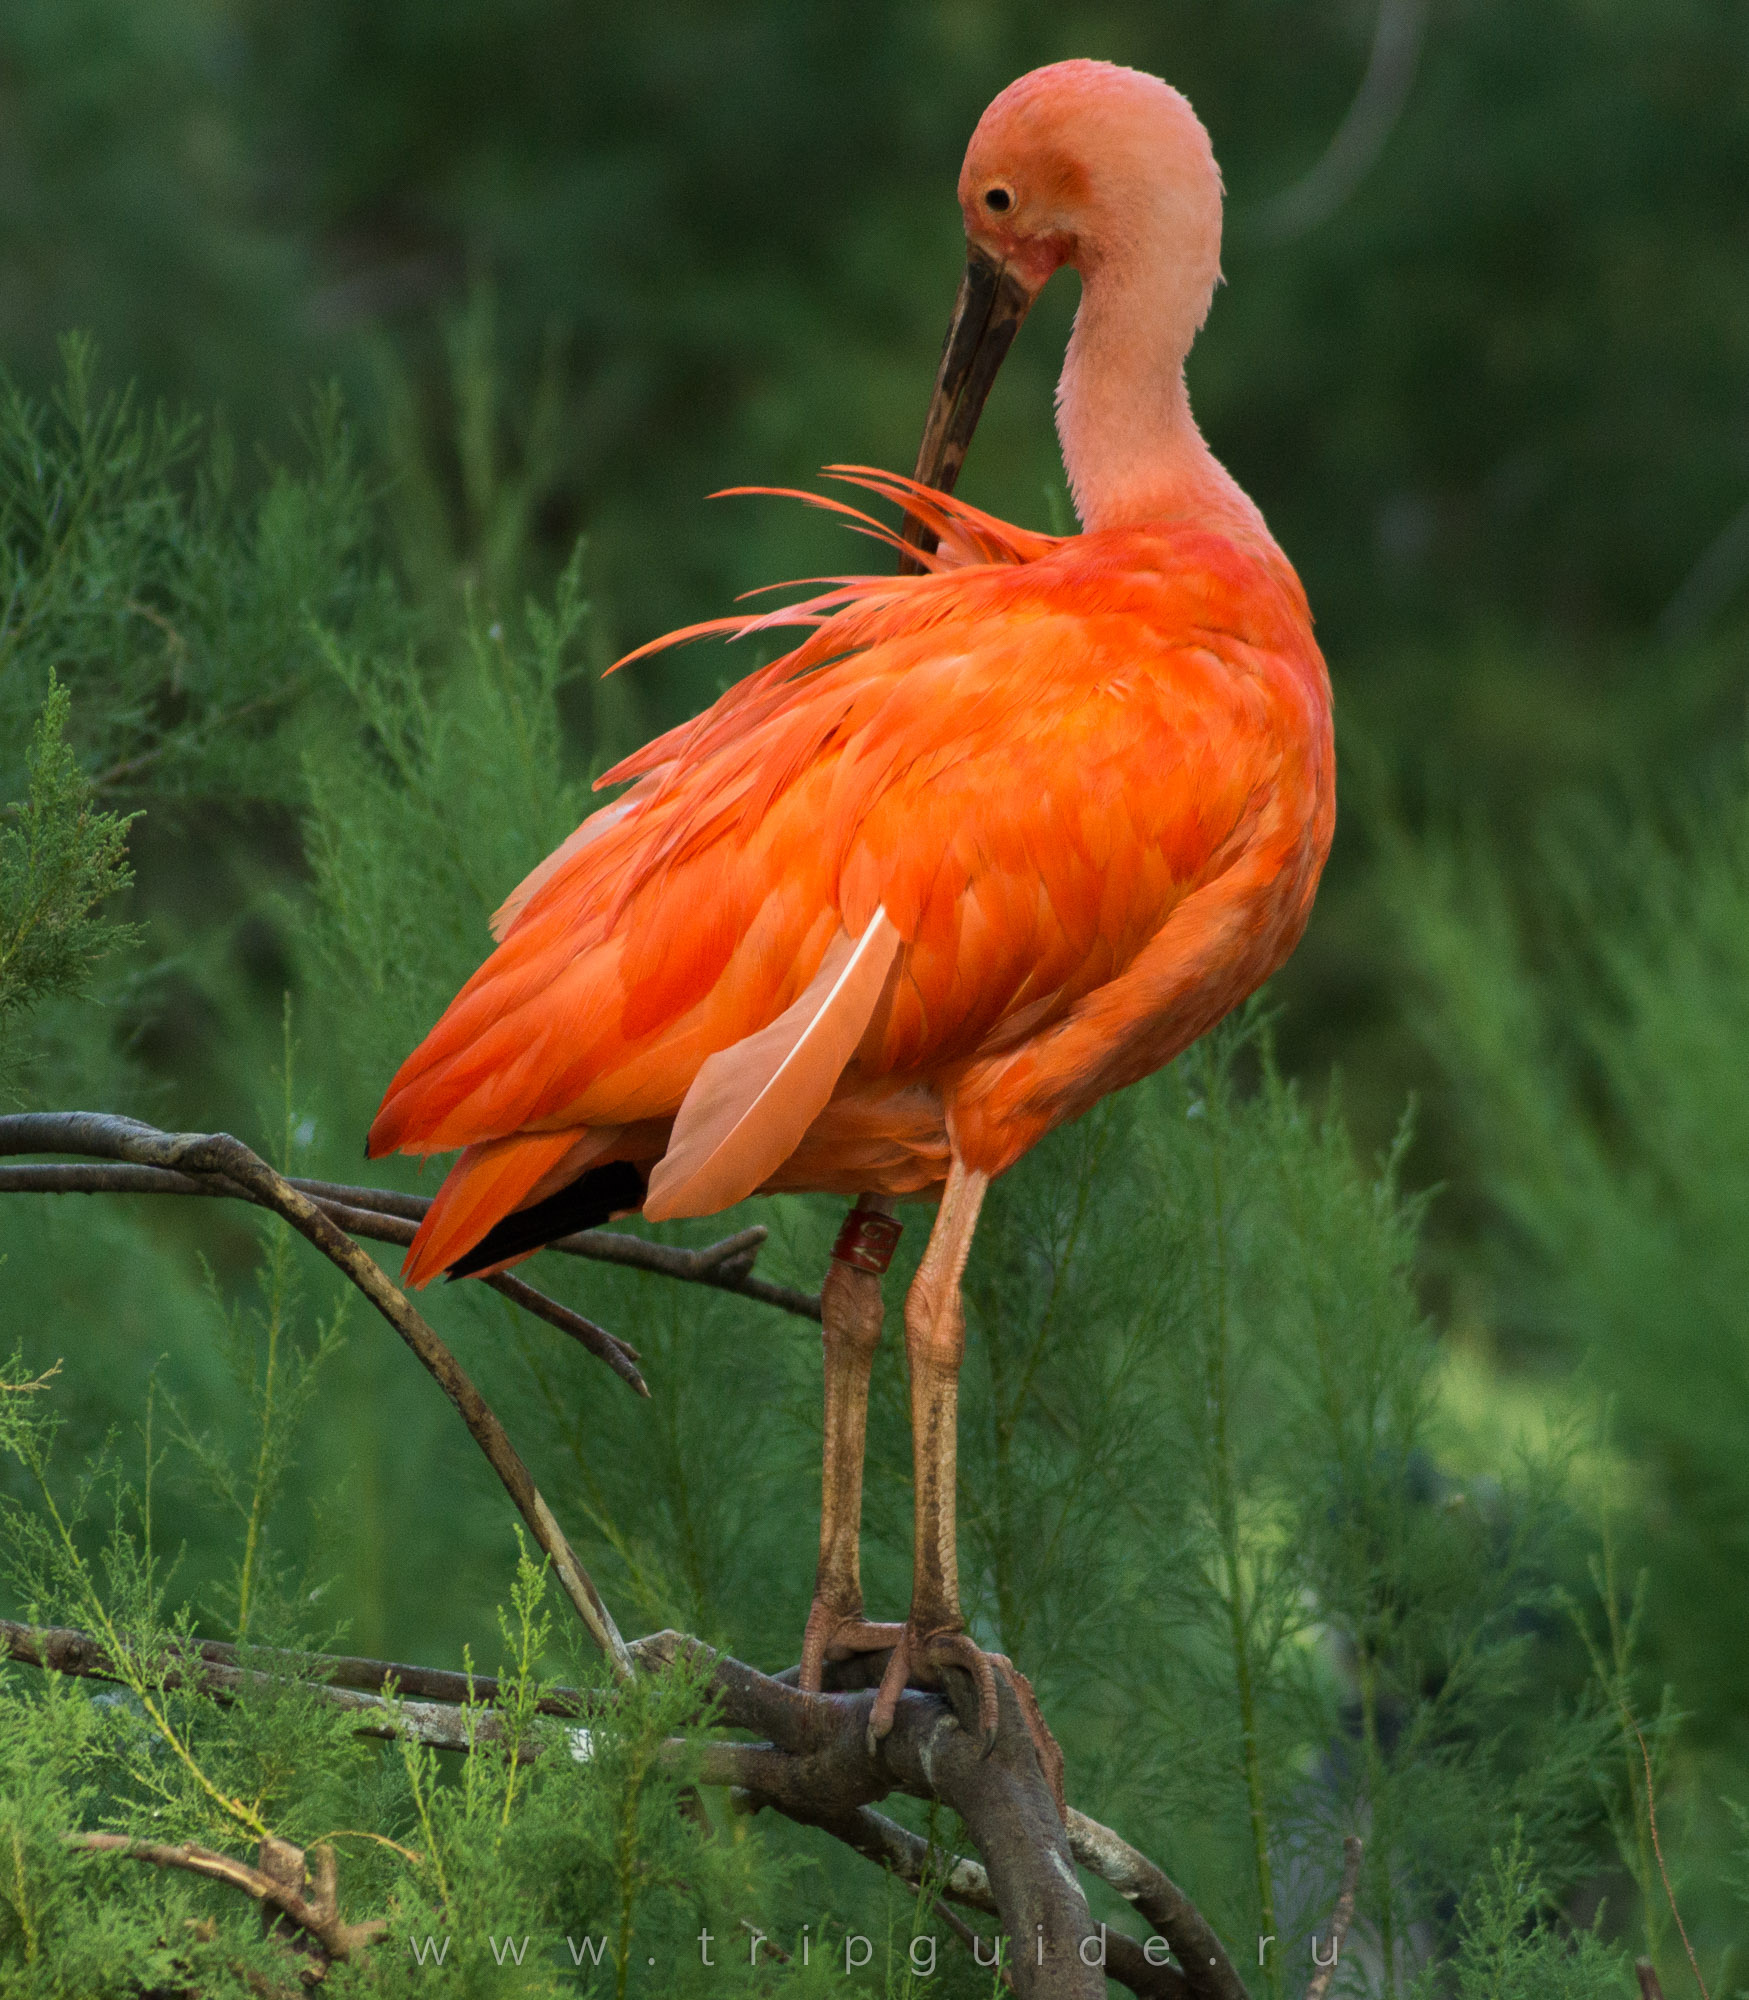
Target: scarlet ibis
(1003, 833)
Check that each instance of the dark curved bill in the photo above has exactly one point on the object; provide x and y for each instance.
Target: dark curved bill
(986, 316)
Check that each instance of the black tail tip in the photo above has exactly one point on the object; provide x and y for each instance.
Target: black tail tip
(585, 1203)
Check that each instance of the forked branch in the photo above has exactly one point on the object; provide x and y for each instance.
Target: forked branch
(305, 1893)
(726, 1266)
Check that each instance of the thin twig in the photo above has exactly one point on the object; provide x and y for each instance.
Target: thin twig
(605, 1346)
(725, 1266)
(317, 1912)
(373, 1224)
(1663, 1872)
(221, 1668)
(1340, 1918)
(759, 1938)
(105, 1137)
(35, 1387)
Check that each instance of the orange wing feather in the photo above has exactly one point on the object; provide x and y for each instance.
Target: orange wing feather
(1089, 781)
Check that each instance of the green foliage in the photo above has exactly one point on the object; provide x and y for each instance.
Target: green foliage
(1507, 1951)
(427, 802)
(1592, 1027)
(175, 607)
(60, 861)
(1202, 1467)
(278, 1379)
(546, 1832)
(1210, 1497)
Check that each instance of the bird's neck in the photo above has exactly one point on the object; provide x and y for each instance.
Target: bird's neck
(1130, 445)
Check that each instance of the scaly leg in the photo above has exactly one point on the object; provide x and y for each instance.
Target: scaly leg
(851, 1312)
(934, 1635)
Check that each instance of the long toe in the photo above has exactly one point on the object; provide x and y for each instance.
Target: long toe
(835, 1633)
(1050, 1755)
(953, 1649)
(886, 1701)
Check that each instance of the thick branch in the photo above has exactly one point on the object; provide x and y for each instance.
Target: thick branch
(819, 1763)
(427, 1703)
(217, 1153)
(909, 1856)
(1208, 1971)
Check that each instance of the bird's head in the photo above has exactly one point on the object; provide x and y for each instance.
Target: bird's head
(1080, 163)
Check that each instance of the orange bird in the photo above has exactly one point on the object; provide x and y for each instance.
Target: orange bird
(1005, 832)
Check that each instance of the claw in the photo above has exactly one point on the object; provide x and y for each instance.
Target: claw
(918, 1659)
(886, 1701)
(954, 1649)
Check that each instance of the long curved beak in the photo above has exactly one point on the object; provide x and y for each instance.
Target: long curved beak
(986, 316)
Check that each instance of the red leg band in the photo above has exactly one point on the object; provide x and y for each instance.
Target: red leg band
(867, 1240)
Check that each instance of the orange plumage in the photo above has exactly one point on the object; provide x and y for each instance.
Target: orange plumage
(1090, 783)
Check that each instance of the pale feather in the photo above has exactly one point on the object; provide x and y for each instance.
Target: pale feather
(751, 1103)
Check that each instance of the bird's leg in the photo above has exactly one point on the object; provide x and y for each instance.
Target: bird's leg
(851, 1312)
(934, 1635)
(935, 1341)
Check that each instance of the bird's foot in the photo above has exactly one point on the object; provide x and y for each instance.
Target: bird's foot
(838, 1632)
(922, 1660)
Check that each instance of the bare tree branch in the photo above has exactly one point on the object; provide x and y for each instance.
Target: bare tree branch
(726, 1266)
(908, 1856)
(277, 1887)
(60, 1649)
(816, 1765)
(1208, 1971)
(1340, 1918)
(457, 1719)
(200, 1153)
(619, 1355)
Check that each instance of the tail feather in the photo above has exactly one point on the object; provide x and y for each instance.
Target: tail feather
(595, 1197)
(485, 1184)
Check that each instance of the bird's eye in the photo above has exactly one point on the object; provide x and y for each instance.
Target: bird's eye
(1000, 199)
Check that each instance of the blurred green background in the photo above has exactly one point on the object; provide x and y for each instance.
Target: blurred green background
(1482, 357)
